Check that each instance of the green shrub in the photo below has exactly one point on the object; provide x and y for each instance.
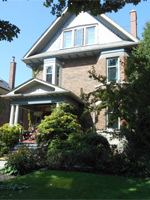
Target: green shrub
(25, 160)
(60, 124)
(9, 135)
(20, 162)
(85, 152)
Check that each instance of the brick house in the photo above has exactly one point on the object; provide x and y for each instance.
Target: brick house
(62, 57)
(4, 103)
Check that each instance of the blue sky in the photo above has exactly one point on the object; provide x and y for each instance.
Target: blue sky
(33, 19)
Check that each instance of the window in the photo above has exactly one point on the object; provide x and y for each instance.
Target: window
(84, 35)
(90, 37)
(52, 71)
(112, 69)
(78, 40)
(67, 39)
(115, 124)
(49, 72)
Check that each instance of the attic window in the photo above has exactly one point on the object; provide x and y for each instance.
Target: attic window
(79, 36)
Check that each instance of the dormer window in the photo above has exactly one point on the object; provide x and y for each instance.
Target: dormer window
(79, 36)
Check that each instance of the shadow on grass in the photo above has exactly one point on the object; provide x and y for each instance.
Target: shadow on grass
(74, 185)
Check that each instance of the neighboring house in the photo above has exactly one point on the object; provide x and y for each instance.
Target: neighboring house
(62, 57)
(4, 103)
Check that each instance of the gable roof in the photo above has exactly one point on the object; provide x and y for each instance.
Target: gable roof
(39, 88)
(35, 55)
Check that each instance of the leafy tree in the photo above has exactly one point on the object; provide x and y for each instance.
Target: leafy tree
(94, 6)
(7, 30)
(130, 101)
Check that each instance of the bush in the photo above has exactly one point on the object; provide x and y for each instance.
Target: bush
(24, 161)
(9, 135)
(84, 152)
(60, 124)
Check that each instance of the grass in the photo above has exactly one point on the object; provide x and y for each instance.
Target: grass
(75, 185)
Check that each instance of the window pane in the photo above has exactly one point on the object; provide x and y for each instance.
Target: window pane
(113, 62)
(67, 39)
(90, 37)
(112, 74)
(49, 78)
(78, 37)
(112, 125)
(49, 70)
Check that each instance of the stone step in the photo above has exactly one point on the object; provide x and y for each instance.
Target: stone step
(29, 145)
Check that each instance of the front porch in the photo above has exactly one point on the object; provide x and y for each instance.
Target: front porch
(38, 97)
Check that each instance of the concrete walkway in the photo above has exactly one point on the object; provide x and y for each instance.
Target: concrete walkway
(2, 163)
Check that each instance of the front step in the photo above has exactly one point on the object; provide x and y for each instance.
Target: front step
(29, 145)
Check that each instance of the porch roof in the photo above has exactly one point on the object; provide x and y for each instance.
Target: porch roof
(37, 91)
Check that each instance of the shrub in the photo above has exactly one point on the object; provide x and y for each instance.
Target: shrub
(9, 135)
(60, 124)
(25, 160)
(84, 152)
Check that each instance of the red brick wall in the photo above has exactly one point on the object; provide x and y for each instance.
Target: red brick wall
(75, 76)
(4, 111)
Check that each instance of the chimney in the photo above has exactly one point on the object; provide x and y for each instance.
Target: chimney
(133, 23)
(12, 73)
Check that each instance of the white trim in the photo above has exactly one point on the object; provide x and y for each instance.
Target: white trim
(52, 63)
(129, 35)
(118, 68)
(84, 27)
(112, 129)
(42, 37)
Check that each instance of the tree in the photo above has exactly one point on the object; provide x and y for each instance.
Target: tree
(7, 30)
(130, 101)
(96, 7)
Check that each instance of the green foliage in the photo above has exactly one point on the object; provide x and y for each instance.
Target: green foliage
(95, 7)
(8, 31)
(9, 135)
(130, 102)
(12, 186)
(20, 162)
(60, 124)
(84, 152)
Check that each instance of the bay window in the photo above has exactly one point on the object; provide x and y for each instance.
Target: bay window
(49, 72)
(52, 71)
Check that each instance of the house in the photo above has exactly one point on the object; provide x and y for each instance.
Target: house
(62, 57)
(4, 104)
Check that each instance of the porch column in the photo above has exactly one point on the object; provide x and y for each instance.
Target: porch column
(57, 105)
(11, 120)
(16, 114)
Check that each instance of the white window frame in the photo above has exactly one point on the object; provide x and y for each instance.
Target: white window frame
(107, 123)
(49, 73)
(118, 68)
(84, 27)
(52, 63)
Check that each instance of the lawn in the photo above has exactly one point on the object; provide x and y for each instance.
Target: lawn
(75, 185)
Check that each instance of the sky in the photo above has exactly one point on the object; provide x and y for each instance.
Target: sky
(33, 19)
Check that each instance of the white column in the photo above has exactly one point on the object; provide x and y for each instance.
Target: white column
(11, 120)
(57, 105)
(16, 114)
